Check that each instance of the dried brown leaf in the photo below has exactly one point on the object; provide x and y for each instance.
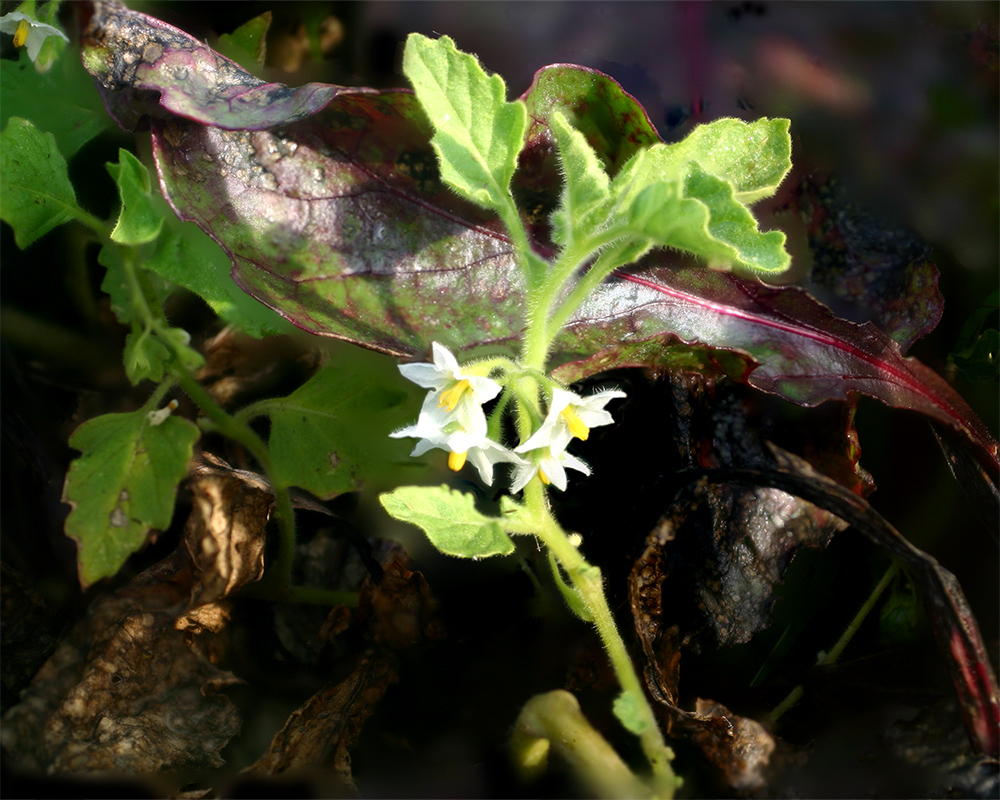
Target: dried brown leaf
(225, 537)
(124, 691)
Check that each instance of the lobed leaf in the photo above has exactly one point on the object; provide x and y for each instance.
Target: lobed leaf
(123, 485)
(478, 134)
(332, 432)
(450, 520)
(34, 182)
(586, 187)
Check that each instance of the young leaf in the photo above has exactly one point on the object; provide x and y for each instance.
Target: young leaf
(138, 222)
(585, 186)
(450, 520)
(478, 135)
(332, 433)
(122, 485)
(34, 183)
(145, 357)
(752, 157)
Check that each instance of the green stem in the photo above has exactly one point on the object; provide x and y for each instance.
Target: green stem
(831, 658)
(588, 582)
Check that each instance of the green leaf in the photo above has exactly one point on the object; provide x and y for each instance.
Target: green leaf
(247, 45)
(62, 101)
(34, 183)
(753, 157)
(478, 135)
(187, 257)
(332, 433)
(627, 709)
(123, 485)
(139, 221)
(585, 186)
(450, 520)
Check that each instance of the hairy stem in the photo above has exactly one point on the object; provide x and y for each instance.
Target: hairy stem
(588, 582)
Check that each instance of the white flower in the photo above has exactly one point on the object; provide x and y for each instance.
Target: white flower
(570, 415)
(455, 396)
(551, 468)
(481, 452)
(28, 32)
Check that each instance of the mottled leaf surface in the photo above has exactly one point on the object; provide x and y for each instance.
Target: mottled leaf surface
(881, 271)
(341, 224)
(804, 352)
(146, 66)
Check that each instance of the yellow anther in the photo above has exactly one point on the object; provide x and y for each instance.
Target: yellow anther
(450, 397)
(544, 477)
(576, 425)
(21, 34)
(456, 460)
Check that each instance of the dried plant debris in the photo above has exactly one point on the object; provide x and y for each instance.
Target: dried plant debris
(395, 614)
(738, 748)
(125, 691)
(225, 537)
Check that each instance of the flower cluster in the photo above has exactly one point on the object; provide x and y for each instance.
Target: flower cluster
(452, 419)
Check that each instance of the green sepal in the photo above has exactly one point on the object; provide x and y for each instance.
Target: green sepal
(450, 520)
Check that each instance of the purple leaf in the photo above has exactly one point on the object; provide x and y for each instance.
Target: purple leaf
(145, 66)
(804, 352)
(339, 222)
(881, 271)
(341, 225)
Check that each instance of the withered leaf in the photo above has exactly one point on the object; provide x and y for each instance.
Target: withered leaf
(225, 537)
(125, 692)
(322, 731)
(395, 614)
(952, 621)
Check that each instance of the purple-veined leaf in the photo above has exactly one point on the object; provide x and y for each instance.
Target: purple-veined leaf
(341, 225)
(803, 352)
(145, 66)
(339, 222)
(882, 271)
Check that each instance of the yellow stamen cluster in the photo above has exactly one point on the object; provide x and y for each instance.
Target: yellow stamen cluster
(576, 425)
(21, 35)
(450, 397)
(456, 460)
